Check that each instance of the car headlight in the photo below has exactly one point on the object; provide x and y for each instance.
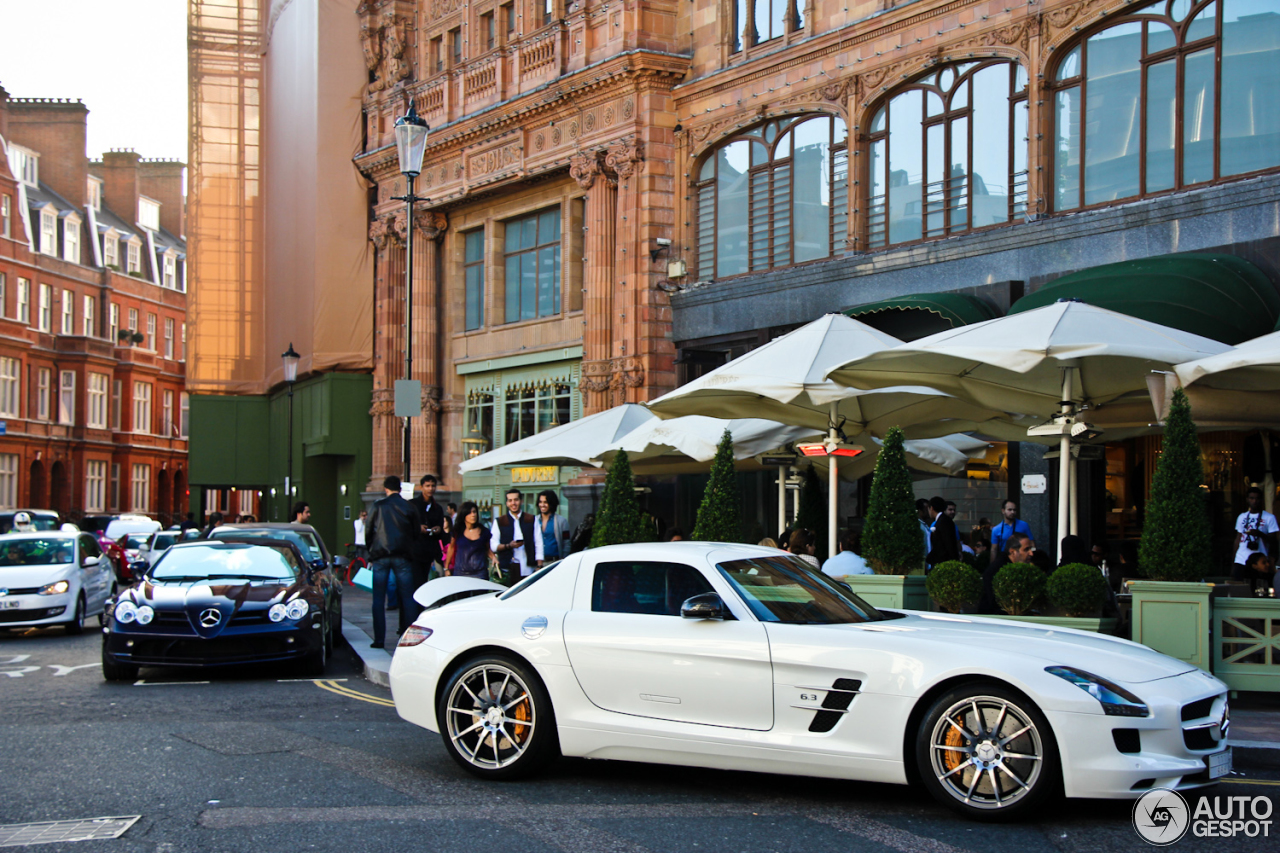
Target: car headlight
(276, 613)
(1115, 700)
(126, 612)
(55, 588)
(297, 609)
(145, 614)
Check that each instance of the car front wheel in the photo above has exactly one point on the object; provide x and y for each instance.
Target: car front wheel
(496, 718)
(76, 625)
(987, 752)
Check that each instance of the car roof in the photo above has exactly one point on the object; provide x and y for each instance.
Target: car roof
(29, 511)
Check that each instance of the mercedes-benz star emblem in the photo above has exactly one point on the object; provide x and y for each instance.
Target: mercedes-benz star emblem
(210, 617)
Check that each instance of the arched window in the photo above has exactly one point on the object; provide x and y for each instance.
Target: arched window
(949, 153)
(1173, 94)
(775, 195)
(759, 21)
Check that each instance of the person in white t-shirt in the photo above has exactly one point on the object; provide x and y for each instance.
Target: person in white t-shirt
(1256, 531)
(848, 561)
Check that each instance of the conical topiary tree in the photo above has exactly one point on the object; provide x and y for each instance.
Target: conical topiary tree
(720, 515)
(619, 520)
(891, 540)
(1176, 538)
(812, 513)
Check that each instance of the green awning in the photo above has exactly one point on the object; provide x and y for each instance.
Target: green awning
(920, 314)
(1221, 297)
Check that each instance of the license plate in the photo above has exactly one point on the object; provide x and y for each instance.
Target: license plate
(11, 604)
(1220, 764)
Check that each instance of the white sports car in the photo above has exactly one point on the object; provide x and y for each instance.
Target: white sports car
(738, 657)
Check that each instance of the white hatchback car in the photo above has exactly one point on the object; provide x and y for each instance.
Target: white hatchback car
(52, 578)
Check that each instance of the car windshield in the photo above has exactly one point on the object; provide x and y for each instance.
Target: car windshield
(224, 561)
(305, 541)
(36, 552)
(786, 589)
(162, 542)
(135, 540)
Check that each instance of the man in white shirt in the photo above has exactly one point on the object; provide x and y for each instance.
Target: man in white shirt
(1256, 531)
(848, 561)
(513, 537)
(358, 524)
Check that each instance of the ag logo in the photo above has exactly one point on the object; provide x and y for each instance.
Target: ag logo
(1161, 816)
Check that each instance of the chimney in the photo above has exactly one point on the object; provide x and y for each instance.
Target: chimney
(54, 128)
(162, 181)
(4, 115)
(119, 172)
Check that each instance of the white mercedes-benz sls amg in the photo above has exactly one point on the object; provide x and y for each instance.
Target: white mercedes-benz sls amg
(737, 657)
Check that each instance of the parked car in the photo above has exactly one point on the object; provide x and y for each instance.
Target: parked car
(220, 602)
(52, 578)
(302, 535)
(732, 656)
(123, 524)
(156, 544)
(43, 519)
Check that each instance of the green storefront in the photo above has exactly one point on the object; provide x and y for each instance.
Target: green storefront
(242, 442)
(512, 398)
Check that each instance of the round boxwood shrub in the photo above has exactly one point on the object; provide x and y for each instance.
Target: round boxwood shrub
(1018, 588)
(954, 585)
(1078, 589)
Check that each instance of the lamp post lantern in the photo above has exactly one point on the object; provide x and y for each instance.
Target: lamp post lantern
(411, 144)
(291, 359)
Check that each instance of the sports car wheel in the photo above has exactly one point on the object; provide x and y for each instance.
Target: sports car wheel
(76, 625)
(986, 752)
(496, 719)
(315, 663)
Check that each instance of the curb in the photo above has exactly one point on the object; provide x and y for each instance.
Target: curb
(377, 663)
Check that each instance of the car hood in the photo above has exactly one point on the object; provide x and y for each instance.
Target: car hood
(228, 597)
(1109, 657)
(24, 577)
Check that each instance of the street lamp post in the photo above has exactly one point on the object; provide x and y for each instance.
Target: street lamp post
(290, 376)
(411, 144)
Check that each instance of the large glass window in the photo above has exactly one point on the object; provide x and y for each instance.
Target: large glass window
(1173, 94)
(949, 153)
(756, 21)
(480, 414)
(775, 195)
(97, 416)
(10, 382)
(8, 480)
(533, 266)
(95, 485)
(473, 272)
(530, 409)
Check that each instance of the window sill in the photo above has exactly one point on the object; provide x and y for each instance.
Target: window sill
(521, 324)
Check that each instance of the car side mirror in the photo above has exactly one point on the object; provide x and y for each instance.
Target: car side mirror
(705, 606)
(89, 561)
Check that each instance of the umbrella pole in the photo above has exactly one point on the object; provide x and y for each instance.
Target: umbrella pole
(782, 499)
(833, 504)
(1075, 497)
(1064, 465)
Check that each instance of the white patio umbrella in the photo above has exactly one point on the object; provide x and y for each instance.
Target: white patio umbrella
(947, 456)
(1046, 362)
(575, 443)
(696, 437)
(785, 381)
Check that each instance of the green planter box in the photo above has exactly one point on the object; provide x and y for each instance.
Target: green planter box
(1080, 623)
(1246, 643)
(894, 592)
(1173, 619)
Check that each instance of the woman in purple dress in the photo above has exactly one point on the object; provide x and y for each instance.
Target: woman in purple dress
(469, 554)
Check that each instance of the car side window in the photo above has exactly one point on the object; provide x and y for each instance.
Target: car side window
(89, 547)
(657, 589)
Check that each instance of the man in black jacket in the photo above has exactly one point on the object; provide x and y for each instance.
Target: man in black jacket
(394, 526)
(943, 543)
(428, 548)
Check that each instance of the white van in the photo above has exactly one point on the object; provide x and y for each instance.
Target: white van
(131, 524)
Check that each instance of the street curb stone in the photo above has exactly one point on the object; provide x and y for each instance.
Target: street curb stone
(377, 663)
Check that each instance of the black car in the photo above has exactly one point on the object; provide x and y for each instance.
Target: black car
(304, 536)
(221, 602)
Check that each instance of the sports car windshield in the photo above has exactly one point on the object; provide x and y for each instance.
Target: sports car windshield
(226, 562)
(785, 589)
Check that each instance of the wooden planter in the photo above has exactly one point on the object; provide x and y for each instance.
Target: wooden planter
(893, 592)
(1246, 643)
(1173, 619)
(1096, 624)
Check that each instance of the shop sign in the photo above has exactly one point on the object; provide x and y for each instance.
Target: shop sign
(1034, 484)
(535, 474)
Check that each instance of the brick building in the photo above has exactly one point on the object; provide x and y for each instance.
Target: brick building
(92, 320)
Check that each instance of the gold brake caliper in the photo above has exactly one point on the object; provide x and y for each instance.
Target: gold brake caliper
(951, 759)
(523, 713)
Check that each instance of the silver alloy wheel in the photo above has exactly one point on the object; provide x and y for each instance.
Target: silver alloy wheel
(490, 716)
(986, 752)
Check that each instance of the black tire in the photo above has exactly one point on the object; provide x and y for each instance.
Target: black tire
(76, 626)
(314, 664)
(987, 753)
(492, 700)
(113, 671)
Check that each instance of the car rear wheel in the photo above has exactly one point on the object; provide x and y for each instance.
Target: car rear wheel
(496, 718)
(987, 752)
(76, 625)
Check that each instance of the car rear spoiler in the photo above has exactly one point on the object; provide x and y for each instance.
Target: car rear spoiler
(434, 593)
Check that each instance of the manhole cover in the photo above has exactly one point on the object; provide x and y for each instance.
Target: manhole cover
(86, 829)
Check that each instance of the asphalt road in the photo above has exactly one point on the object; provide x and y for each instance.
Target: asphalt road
(255, 760)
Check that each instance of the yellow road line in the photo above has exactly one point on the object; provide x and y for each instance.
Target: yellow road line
(1248, 782)
(333, 687)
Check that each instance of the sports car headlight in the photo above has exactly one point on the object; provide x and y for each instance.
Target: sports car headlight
(55, 588)
(276, 613)
(296, 609)
(145, 614)
(126, 612)
(1115, 700)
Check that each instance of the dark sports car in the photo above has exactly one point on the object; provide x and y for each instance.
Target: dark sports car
(219, 602)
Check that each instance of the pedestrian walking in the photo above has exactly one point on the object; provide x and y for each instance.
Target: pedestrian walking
(1009, 525)
(470, 554)
(944, 545)
(301, 513)
(394, 526)
(581, 540)
(188, 523)
(215, 521)
(513, 537)
(428, 549)
(553, 528)
(1256, 531)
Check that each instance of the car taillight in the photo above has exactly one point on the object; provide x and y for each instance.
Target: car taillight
(414, 635)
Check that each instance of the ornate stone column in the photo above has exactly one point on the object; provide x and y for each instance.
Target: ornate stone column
(387, 345)
(600, 221)
(631, 275)
(424, 442)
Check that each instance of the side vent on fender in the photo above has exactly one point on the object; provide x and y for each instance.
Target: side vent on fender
(836, 704)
